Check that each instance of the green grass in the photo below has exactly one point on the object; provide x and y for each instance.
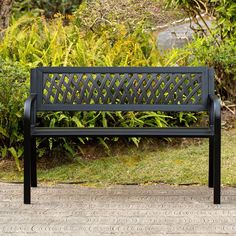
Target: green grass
(183, 164)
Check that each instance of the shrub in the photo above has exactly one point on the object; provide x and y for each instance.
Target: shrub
(223, 59)
(203, 51)
(218, 49)
(13, 87)
(35, 42)
(47, 8)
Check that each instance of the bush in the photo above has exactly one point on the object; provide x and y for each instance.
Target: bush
(13, 89)
(44, 7)
(203, 51)
(223, 59)
(218, 48)
(34, 42)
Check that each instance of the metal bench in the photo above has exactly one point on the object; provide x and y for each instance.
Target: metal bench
(167, 89)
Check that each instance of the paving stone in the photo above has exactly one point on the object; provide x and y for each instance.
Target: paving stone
(116, 210)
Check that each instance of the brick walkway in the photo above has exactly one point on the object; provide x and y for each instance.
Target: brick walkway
(118, 210)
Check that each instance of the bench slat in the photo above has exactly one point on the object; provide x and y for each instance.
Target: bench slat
(123, 107)
(129, 132)
(124, 69)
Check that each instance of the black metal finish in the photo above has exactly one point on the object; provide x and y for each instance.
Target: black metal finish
(211, 159)
(33, 163)
(211, 122)
(28, 121)
(88, 88)
(216, 145)
(122, 89)
(127, 132)
(112, 88)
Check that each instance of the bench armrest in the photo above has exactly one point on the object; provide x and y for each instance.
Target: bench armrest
(29, 110)
(215, 111)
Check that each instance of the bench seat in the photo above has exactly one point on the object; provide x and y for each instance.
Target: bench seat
(129, 132)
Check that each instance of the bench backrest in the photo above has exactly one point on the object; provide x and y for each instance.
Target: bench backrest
(122, 88)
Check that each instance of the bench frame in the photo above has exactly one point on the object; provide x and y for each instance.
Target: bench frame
(33, 104)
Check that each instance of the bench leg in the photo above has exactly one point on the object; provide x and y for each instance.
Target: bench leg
(211, 158)
(33, 163)
(27, 167)
(217, 167)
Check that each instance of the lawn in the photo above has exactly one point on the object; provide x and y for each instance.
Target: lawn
(186, 163)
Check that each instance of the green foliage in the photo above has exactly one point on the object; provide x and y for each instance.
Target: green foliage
(13, 87)
(218, 49)
(223, 59)
(47, 8)
(34, 42)
(226, 18)
(203, 51)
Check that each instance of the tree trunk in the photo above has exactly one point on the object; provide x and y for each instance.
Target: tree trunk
(5, 11)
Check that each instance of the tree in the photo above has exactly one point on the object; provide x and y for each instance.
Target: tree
(5, 11)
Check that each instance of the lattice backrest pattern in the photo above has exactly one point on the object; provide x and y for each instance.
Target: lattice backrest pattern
(118, 88)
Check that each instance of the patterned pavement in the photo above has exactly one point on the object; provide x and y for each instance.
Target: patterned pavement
(116, 210)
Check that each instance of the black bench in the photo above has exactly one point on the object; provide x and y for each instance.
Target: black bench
(122, 89)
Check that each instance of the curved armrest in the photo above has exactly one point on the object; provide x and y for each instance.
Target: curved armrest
(215, 111)
(28, 109)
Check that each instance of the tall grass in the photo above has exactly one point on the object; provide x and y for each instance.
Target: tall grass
(36, 42)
